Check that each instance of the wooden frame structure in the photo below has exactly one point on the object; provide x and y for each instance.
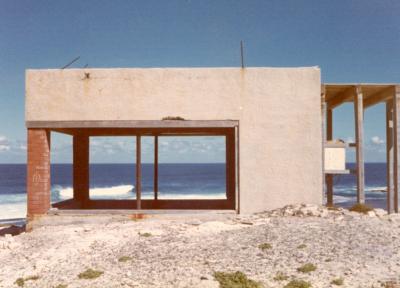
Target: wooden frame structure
(364, 96)
(82, 131)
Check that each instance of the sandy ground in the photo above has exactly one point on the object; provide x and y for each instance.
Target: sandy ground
(185, 251)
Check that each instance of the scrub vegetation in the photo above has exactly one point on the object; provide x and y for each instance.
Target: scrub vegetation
(90, 274)
(298, 284)
(337, 281)
(124, 259)
(235, 280)
(307, 268)
(280, 276)
(21, 281)
(265, 246)
(361, 208)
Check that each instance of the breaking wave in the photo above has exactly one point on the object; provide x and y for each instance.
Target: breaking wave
(128, 192)
(110, 192)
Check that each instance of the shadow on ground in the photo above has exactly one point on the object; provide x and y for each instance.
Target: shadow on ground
(13, 230)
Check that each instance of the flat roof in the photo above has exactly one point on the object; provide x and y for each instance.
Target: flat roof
(134, 124)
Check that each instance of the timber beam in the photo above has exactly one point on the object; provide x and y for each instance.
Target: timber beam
(381, 96)
(344, 96)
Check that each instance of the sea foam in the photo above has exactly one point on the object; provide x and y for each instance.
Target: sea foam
(127, 192)
(112, 192)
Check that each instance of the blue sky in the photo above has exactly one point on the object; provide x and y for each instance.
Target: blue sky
(352, 41)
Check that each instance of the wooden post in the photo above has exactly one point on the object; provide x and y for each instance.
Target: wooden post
(138, 173)
(359, 127)
(323, 132)
(329, 177)
(327, 134)
(230, 167)
(155, 167)
(396, 146)
(238, 169)
(81, 169)
(389, 156)
(329, 126)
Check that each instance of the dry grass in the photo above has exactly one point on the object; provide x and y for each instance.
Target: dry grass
(361, 208)
(124, 259)
(173, 118)
(235, 280)
(90, 274)
(21, 281)
(337, 281)
(391, 284)
(333, 208)
(280, 276)
(265, 246)
(307, 268)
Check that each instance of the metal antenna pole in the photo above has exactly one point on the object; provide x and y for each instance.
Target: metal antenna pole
(70, 63)
(241, 53)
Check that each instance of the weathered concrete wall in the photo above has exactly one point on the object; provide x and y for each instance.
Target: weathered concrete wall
(278, 109)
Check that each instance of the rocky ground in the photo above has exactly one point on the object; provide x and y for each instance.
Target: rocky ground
(362, 250)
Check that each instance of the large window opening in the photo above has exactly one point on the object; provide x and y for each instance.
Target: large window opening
(152, 168)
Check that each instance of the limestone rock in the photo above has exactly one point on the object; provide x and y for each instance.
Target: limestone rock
(380, 212)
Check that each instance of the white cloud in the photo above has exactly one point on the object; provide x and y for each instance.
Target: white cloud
(110, 145)
(17, 147)
(377, 141)
(4, 147)
(20, 145)
(4, 144)
(122, 149)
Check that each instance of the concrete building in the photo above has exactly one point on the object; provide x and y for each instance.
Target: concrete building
(271, 119)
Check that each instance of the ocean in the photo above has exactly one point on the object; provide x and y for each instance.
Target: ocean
(176, 181)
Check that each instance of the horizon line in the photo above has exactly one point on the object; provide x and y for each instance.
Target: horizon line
(21, 163)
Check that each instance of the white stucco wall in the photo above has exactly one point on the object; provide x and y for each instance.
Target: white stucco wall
(278, 110)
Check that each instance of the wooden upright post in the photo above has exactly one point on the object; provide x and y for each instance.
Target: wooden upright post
(359, 127)
(81, 169)
(230, 160)
(396, 146)
(138, 173)
(323, 132)
(327, 134)
(389, 156)
(155, 167)
(329, 177)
